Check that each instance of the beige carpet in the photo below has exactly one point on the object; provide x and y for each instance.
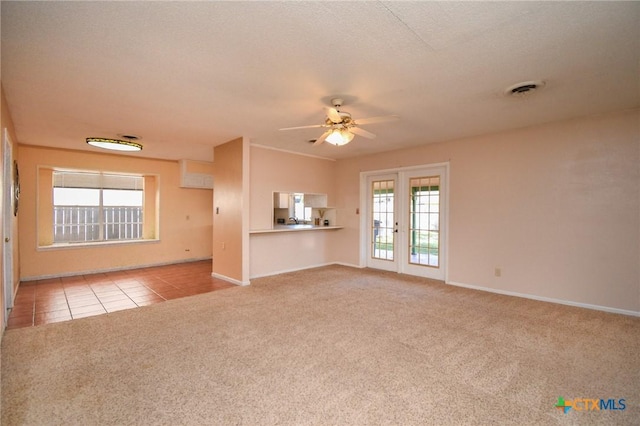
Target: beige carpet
(332, 345)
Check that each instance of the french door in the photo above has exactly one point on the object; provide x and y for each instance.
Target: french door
(405, 224)
(382, 229)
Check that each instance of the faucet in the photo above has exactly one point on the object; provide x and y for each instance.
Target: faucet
(295, 219)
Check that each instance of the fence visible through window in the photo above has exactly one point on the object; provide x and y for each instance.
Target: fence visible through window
(85, 224)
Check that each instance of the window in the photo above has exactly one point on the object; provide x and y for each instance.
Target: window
(299, 210)
(424, 220)
(93, 206)
(383, 219)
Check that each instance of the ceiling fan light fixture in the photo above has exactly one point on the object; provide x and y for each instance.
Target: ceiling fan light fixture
(114, 144)
(339, 137)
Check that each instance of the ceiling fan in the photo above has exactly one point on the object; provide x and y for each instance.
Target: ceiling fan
(341, 127)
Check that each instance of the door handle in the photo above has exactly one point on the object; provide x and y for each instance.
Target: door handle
(6, 239)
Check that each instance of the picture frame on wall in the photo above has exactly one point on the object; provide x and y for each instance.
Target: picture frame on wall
(16, 188)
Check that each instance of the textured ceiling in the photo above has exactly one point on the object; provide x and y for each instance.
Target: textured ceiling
(186, 76)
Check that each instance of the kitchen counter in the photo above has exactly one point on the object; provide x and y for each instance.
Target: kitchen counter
(294, 228)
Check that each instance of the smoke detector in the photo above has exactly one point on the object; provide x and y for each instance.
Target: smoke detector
(526, 88)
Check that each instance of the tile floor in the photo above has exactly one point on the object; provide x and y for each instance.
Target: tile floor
(67, 298)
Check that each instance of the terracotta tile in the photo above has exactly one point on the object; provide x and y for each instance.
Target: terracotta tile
(99, 282)
(143, 297)
(28, 292)
(147, 298)
(84, 285)
(89, 314)
(128, 283)
(52, 320)
(191, 283)
(149, 302)
(97, 277)
(51, 306)
(143, 291)
(82, 301)
(49, 317)
(114, 298)
(83, 294)
(47, 289)
(49, 281)
(88, 308)
(79, 294)
(72, 280)
(110, 293)
(23, 302)
(172, 294)
(126, 302)
(104, 287)
(20, 321)
(157, 287)
(22, 310)
(119, 306)
(51, 296)
(116, 274)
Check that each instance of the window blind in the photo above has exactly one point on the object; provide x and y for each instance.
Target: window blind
(96, 180)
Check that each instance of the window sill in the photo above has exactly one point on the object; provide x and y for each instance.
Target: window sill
(66, 246)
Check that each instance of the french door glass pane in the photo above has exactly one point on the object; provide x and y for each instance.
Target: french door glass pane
(424, 221)
(383, 220)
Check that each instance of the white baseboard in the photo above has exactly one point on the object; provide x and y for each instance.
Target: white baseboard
(349, 265)
(230, 280)
(319, 265)
(548, 299)
(285, 271)
(117, 269)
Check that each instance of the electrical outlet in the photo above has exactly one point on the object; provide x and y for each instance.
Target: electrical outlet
(498, 272)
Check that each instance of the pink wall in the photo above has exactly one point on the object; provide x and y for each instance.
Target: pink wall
(279, 171)
(556, 207)
(185, 217)
(230, 211)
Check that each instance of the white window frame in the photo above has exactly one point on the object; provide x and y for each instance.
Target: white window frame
(101, 181)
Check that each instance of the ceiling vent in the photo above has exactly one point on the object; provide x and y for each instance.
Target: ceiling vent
(526, 88)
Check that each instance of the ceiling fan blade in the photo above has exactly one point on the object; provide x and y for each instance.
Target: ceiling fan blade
(362, 132)
(303, 127)
(333, 115)
(377, 119)
(322, 138)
